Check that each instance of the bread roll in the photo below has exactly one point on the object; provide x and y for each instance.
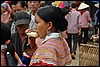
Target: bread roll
(32, 34)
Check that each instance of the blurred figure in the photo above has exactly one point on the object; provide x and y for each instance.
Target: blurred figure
(7, 46)
(95, 37)
(13, 7)
(21, 6)
(96, 18)
(19, 38)
(5, 12)
(85, 19)
(28, 4)
(33, 6)
(5, 35)
(73, 29)
(16, 7)
(29, 49)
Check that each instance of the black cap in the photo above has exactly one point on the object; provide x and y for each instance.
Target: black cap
(22, 18)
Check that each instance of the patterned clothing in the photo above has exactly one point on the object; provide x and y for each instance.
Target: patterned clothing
(29, 51)
(54, 51)
(5, 17)
(3, 58)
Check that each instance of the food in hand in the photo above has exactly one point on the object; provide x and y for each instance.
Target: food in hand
(32, 34)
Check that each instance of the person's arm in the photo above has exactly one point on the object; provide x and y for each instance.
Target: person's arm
(32, 35)
(18, 59)
(88, 17)
(79, 24)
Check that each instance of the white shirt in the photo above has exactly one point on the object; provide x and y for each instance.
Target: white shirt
(31, 25)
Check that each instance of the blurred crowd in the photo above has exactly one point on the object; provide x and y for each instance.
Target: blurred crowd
(61, 26)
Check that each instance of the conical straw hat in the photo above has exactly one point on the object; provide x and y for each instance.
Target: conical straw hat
(97, 5)
(83, 6)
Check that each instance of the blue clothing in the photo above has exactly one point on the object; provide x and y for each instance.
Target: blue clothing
(73, 38)
(97, 17)
(26, 60)
(96, 21)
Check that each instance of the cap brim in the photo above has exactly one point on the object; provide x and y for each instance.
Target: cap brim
(23, 21)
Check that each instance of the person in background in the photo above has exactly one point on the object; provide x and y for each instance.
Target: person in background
(73, 29)
(28, 4)
(5, 12)
(5, 35)
(28, 50)
(7, 46)
(16, 7)
(33, 6)
(85, 20)
(96, 18)
(21, 6)
(19, 38)
(54, 50)
(95, 37)
(13, 7)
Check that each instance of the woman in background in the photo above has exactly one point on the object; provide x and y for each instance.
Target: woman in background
(5, 12)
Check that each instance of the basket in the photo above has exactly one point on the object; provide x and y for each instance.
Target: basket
(88, 55)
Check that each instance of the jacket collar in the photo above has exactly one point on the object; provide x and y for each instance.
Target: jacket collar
(52, 35)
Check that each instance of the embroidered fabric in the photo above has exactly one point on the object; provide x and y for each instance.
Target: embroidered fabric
(52, 35)
(41, 63)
